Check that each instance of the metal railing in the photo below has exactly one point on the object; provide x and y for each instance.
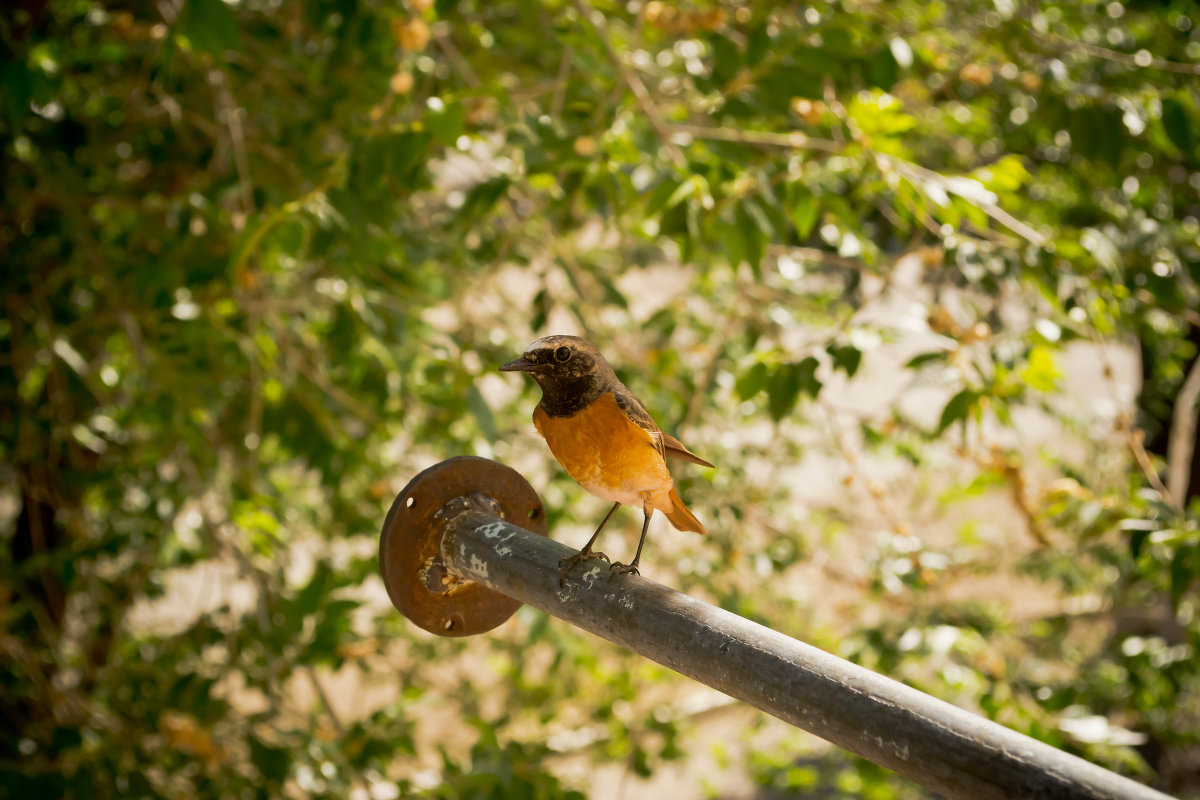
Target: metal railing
(464, 546)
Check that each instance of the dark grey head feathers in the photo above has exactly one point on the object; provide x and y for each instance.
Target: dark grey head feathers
(570, 370)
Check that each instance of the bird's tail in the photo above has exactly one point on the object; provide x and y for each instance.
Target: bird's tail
(681, 518)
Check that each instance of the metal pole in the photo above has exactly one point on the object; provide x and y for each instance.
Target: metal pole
(947, 749)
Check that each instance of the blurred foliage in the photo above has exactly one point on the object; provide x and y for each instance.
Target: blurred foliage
(262, 257)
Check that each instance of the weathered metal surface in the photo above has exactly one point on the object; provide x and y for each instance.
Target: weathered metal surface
(434, 557)
(945, 748)
(418, 583)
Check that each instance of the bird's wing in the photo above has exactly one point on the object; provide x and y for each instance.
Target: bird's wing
(634, 409)
(675, 449)
(637, 412)
(668, 445)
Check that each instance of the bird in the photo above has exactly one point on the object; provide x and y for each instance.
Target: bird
(605, 439)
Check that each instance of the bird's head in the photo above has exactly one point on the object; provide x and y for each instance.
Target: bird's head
(561, 360)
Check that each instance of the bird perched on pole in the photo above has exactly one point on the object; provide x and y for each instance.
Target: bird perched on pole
(604, 438)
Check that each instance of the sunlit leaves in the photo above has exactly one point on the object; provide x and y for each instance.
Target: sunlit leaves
(288, 248)
(1041, 372)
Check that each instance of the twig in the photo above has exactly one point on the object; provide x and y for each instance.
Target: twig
(889, 213)
(703, 387)
(337, 393)
(838, 110)
(1124, 422)
(312, 676)
(276, 216)
(916, 173)
(631, 79)
(560, 83)
(876, 491)
(1018, 487)
(794, 140)
(1181, 444)
(1055, 40)
(1134, 439)
(819, 256)
(232, 114)
(254, 438)
(441, 37)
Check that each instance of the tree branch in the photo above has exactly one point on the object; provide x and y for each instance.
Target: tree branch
(1182, 442)
(1154, 62)
(633, 81)
(794, 140)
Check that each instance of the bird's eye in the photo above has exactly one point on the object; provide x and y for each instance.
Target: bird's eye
(562, 354)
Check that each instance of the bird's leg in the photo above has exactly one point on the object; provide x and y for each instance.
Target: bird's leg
(619, 568)
(586, 553)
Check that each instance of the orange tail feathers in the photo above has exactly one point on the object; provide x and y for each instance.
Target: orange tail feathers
(681, 518)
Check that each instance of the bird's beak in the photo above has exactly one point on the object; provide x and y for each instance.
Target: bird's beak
(522, 364)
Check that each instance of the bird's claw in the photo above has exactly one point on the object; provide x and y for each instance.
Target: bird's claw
(565, 564)
(617, 568)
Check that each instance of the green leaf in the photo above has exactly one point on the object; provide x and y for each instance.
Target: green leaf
(1178, 125)
(783, 391)
(882, 69)
(483, 197)
(726, 59)
(1041, 372)
(15, 78)
(377, 165)
(683, 191)
(272, 762)
(210, 26)
(483, 414)
(751, 381)
(922, 359)
(1096, 133)
(804, 211)
(612, 295)
(1137, 540)
(1184, 569)
(958, 408)
(846, 357)
(752, 242)
(808, 377)
(315, 590)
(446, 125)
(541, 310)
(758, 44)
(1003, 412)
(661, 195)
(788, 382)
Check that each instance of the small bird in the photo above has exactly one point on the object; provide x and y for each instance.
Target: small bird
(604, 438)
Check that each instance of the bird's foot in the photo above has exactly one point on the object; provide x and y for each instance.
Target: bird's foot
(565, 564)
(617, 568)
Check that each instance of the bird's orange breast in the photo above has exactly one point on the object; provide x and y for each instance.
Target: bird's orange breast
(610, 455)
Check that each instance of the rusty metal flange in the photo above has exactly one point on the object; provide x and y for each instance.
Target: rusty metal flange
(417, 581)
